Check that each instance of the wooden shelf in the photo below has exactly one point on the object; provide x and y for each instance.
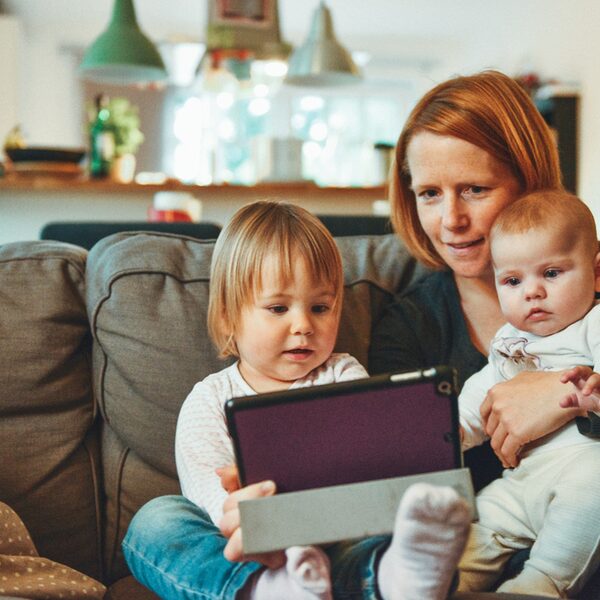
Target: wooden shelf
(13, 181)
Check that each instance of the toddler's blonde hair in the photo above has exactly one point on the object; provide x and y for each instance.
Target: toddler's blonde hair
(259, 230)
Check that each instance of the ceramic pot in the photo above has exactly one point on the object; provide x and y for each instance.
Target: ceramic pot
(122, 168)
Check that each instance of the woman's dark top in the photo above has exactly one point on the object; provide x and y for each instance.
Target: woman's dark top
(424, 326)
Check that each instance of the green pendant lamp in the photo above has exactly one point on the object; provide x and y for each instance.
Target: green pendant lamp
(123, 54)
(321, 60)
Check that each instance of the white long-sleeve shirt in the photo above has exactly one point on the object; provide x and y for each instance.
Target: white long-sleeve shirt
(513, 351)
(202, 443)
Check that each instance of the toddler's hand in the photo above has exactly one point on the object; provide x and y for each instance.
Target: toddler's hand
(230, 480)
(230, 526)
(587, 392)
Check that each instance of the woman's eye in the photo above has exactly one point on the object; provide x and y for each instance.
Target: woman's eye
(474, 190)
(551, 273)
(277, 309)
(427, 194)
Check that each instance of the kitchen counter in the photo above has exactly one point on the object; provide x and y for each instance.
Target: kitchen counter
(28, 202)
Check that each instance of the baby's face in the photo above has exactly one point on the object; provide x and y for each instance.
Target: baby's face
(544, 282)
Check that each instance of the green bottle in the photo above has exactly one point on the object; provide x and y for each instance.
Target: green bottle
(102, 140)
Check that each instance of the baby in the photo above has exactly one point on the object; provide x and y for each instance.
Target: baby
(547, 269)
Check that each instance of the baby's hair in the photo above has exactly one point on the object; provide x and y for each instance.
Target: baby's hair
(258, 231)
(555, 210)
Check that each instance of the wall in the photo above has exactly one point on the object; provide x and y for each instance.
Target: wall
(430, 39)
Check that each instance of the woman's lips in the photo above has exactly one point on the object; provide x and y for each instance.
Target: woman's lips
(464, 247)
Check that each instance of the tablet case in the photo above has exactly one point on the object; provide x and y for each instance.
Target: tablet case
(382, 427)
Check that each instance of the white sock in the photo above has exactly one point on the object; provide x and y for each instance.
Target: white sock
(429, 537)
(305, 576)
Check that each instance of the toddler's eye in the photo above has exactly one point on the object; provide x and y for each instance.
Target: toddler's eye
(278, 310)
(551, 273)
(320, 308)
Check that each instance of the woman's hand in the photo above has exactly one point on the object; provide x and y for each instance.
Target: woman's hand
(524, 409)
(230, 522)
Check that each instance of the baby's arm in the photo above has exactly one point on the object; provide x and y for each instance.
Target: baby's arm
(471, 397)
(587, 392)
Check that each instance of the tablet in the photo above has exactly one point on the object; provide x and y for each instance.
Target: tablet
(385, 426)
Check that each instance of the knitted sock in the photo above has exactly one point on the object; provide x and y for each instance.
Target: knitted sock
(429, 537)
(305, 576)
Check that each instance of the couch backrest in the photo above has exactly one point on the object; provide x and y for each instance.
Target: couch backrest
(147, 299)
(49, 467)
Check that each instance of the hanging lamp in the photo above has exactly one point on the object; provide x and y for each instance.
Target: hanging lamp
(321, 60)
(123, 54)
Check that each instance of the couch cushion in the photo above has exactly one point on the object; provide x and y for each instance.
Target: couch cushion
(49, 468)
(147, 298)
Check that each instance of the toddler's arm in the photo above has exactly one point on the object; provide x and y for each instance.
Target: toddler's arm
(587, 392)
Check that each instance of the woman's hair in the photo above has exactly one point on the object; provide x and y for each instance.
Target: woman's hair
(491, 111)
(265, 229)
(556, 211)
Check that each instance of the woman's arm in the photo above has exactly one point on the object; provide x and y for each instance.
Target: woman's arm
(524, 409)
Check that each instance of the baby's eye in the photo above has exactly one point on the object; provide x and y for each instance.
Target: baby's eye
(551, 273)
(278, 309)
(320, 308)
(512, 281)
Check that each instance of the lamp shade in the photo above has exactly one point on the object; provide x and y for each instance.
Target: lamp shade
(123, 54)
(321, 60)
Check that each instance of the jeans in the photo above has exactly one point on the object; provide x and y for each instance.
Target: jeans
(174, 549)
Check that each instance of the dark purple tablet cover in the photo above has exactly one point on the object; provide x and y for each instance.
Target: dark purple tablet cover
(349, 432)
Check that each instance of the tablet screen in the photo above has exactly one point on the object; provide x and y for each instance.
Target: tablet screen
(385, 426)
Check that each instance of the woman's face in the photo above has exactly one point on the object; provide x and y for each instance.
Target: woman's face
(459, 190)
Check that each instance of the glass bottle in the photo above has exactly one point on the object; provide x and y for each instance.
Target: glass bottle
(102, 140)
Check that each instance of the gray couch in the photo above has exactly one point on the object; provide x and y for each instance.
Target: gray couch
(97, 354)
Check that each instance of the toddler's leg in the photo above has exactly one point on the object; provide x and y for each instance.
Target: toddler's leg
(305, 576)
(429, 536)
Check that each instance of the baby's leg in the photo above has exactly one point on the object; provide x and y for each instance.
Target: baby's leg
(429, 536)
(305, 576)
(564, 510)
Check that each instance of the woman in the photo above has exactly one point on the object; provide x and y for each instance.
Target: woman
(471, 146)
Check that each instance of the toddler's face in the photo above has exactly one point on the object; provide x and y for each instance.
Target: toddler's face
(288, 329)
(544, 282)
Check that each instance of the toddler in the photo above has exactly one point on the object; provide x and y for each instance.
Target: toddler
(275, 302)
(547, 269)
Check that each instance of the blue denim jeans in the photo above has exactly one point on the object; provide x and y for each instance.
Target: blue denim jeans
(174, 549)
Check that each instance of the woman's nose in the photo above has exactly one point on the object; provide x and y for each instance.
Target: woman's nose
(454, 215)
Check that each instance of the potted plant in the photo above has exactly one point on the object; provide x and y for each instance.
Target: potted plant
(124, 122)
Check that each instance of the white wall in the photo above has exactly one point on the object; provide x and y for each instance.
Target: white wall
(557, 38)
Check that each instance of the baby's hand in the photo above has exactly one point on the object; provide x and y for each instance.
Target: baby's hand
(587, 392)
